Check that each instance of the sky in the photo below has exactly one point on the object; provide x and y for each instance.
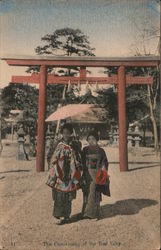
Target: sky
(111, 25)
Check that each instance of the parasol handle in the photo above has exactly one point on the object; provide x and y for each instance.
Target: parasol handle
(57, 127)
(74, 133)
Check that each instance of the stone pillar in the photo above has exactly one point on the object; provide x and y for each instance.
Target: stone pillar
(130, 138)
(137, 138)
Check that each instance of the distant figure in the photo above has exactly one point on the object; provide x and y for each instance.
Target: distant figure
(22, 154)
(32, 147)
(95, 167)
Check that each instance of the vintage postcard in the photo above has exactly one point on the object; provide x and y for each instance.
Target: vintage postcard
(80, 125)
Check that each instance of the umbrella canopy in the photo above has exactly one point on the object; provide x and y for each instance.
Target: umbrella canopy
(68, 111)
(95, 115)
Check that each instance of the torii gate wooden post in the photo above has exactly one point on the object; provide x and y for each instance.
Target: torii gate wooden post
(123, 155)
(121, 80)
(40, 158)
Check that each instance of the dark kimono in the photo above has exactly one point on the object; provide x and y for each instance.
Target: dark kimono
(65, 173)
(93, 158)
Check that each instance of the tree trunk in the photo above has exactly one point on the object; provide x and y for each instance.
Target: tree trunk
(155, 132)
(152, 117)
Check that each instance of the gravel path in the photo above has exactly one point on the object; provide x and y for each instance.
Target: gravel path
(131, 216)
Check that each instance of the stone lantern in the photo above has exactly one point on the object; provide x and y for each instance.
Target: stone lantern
(130, 137)
(137, 137)
(115, 135)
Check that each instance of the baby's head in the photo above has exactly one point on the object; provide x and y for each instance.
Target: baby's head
(93, 138)
(66, 132)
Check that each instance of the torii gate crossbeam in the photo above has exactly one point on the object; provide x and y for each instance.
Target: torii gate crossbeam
(121, 80)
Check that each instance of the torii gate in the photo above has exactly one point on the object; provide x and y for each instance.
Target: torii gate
(121, 80)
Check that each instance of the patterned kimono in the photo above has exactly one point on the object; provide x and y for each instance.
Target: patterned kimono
(93, 158)
(64, 179)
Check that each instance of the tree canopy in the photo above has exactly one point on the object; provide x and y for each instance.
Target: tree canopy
(64, 42)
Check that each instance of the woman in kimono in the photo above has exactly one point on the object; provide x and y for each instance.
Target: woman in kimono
(64, 173)
(95, 166)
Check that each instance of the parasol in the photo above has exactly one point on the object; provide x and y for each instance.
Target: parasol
(68, 111)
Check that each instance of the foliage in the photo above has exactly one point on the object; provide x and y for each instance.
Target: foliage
(64, 42)
(108, 99)
(21, 97)
(55, 97)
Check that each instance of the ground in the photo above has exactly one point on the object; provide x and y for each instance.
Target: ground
(131, 216)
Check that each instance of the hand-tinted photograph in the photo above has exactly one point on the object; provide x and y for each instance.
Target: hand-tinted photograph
(80, 125)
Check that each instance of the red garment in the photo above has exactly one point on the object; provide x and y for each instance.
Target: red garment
(101, 177)
(77, 175)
